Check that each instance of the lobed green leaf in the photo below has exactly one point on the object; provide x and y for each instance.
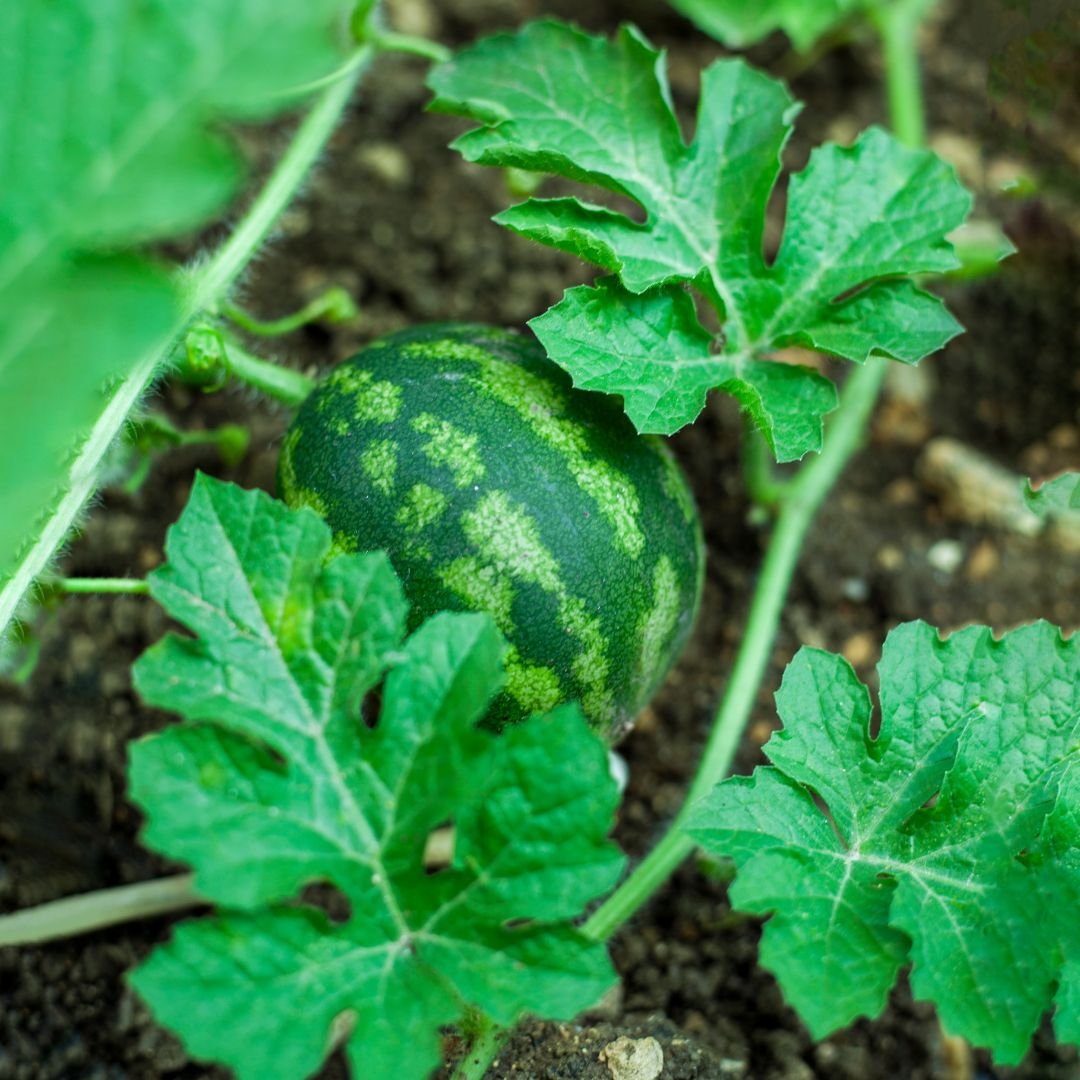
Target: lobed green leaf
(860, 219)
(276, 782)
(947, 841)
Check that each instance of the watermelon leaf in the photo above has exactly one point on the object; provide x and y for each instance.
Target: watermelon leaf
(1053, 498)
(275, 782)
(652, 350)
(947, 841)
(860, 220)
(736, 23)
(111, 139)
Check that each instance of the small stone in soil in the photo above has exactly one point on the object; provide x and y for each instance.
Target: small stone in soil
(633, 1059)
(946, 556)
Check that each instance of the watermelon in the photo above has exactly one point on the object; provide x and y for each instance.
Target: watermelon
(493, 485)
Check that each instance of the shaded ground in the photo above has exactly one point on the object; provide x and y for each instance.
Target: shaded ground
(403, 224)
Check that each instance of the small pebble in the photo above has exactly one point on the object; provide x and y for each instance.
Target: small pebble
(946, 556)
(901, 492)
(385, 162)
(890, 557)
(983, 563)
(855, 589)
(633, 1059)
(964, 153)
(860, 649)
(761, 731)
(620, 771)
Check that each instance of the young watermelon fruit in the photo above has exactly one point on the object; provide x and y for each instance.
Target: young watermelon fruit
(464, 453)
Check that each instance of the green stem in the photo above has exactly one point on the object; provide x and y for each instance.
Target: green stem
(898, 25)
(92, 911)
(112, 586)
(204, 288)
(483, 1050)
(335, 305)
(389, 41)
(307, 144)
(286, 385)
(798, 507)
(759, 475)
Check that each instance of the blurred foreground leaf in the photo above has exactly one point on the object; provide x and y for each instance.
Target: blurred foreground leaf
(110, 138)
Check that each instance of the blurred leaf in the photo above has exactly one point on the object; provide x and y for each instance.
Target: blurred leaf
(1055, 497)
(738, 23)
(110, 137)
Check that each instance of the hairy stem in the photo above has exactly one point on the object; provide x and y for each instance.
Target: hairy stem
(799, 503)
(483, 1050)
(204, 288)
(214, 281)
(92, 911)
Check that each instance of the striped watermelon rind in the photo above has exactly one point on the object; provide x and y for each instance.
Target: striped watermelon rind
(493, 485)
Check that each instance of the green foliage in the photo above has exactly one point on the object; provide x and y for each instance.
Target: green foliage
(1055, 497)
(111, 139)
(737, 23)
(275, 782)
(859, 219)
(949, 841)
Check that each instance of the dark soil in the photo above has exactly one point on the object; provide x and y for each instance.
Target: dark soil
(403, 224)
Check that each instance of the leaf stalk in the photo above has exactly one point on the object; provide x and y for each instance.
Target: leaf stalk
(110, 586)
(333, 305)
(96, 910)
(488, 1040)
(898, 26)
(284, 384)
(389, 41)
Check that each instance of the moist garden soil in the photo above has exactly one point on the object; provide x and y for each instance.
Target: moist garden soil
(402, 223)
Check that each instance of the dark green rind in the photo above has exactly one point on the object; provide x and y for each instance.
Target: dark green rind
(533, 507)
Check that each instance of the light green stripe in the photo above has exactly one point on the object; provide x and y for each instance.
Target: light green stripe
(379, 464)
(543, 406)
(482, 588)
(534, 688)
(291, 491)
(511, 550)
(508, 539)
(373, 401)
(659, 622)
(423, 506)
(673, 483)
(450, 446)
